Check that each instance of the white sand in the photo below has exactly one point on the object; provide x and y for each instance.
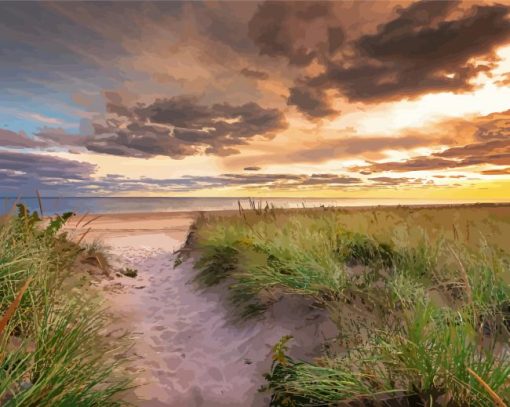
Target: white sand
(187, 351)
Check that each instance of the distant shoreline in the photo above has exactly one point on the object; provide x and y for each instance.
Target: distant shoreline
(148, 205)
(184, 213)
(255, 198)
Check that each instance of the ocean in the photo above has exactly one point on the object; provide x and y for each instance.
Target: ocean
(179, 204)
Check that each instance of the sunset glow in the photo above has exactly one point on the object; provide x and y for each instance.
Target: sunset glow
(334, 99)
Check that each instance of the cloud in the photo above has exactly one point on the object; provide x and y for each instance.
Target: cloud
(55, 136)
(295, 30)
(358, 147)
(276, 181)
(191, 125)
(476, 149)
(495, 126)
(505, 80)
(44, 119)
(426, 48)
(497, 171)
(12, 139)
(24, 173)
(268, 181)
(176, 127)
(450, 176)
(330, 180)
(312, 102)
(413, 164)
(253, 73)
(457, 158)
(225, 23)
(490, 144)
(45, 166)
(394, 181)
(246, 63)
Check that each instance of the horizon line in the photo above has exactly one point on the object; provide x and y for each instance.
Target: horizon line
(233, 197)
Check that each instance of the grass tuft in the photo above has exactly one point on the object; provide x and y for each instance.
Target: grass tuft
(422, 310)
(52, 352)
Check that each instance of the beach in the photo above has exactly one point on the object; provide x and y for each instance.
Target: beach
(187, 349)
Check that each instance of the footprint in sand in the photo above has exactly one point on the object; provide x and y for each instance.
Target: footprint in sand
(189, 349)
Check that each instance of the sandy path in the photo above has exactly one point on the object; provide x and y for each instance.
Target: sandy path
(187, 352)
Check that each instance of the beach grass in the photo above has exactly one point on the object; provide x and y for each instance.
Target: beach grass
(420, 297)
(52, 349)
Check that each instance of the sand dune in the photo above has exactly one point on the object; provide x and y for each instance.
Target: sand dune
(187, 351)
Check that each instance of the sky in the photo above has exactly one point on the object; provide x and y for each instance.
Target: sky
(304, 99)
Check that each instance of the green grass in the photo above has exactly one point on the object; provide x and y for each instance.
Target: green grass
(421, 299)
(52, 352)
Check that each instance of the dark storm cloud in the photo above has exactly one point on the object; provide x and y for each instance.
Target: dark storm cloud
(176, 127)
(252, 168)
(426, 48)
(281, 29)
(253, 73)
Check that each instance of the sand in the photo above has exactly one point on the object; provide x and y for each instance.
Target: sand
(187, 351)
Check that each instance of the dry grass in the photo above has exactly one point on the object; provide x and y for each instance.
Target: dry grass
(51, 337)
(426, 319)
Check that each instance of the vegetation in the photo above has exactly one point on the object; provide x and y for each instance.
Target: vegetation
(51, 347)
(421, 299)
